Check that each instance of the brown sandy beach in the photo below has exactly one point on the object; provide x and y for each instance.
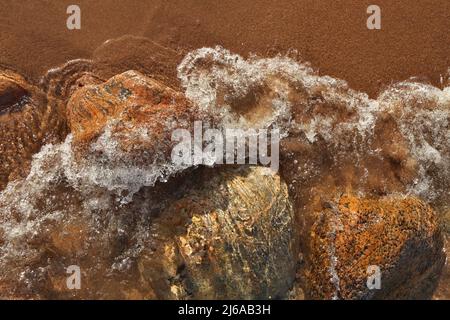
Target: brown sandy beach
(332, 35)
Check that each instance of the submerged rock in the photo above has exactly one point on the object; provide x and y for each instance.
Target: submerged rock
(61, 82)
(443, 290)
(400, 236)
(236, 242)
(122, 132)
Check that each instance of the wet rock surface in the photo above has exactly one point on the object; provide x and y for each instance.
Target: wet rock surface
(240, 242)
(443, 290)
(127, 102)
(398, 236)
(122, 131)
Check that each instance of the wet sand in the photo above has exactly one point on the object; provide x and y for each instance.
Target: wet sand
(332, 35)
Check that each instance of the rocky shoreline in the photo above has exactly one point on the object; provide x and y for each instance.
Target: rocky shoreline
(86, 179)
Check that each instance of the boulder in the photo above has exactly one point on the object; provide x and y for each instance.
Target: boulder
(121, 132)
(398, 235)
(136, 111)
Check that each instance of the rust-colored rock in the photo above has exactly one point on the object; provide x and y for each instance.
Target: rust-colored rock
(110, 200)
(129, 52)
(26, 123)
(122, 130)
(138, 112)
(399, 235)
(61, 82)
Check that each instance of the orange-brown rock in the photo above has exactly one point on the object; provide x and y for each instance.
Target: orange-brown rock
(109, 199)
(138, 112)
(399, 235)
(27, 122)
(61, 82)
(122, 132)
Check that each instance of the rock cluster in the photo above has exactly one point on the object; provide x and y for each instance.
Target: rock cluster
(236, 242)
(362, 183)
